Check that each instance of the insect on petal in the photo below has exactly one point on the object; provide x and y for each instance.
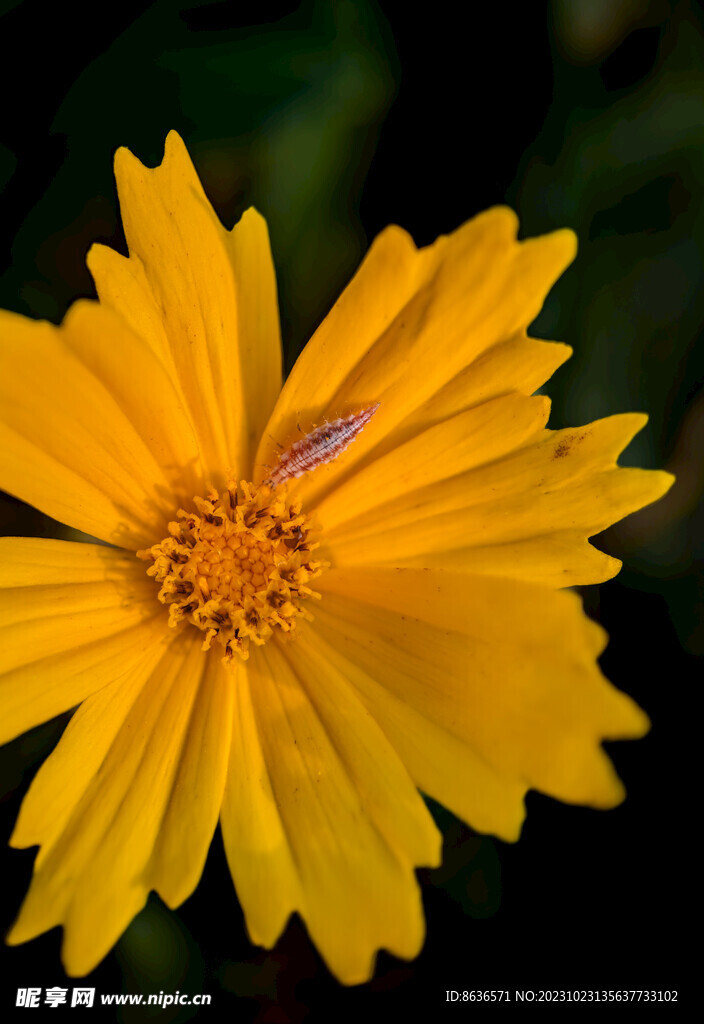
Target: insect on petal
(321, 445)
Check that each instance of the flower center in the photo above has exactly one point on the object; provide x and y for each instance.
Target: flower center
(238, 568)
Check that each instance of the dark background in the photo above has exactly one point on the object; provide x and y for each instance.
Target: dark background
(335, 119)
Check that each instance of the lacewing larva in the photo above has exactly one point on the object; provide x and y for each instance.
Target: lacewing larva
(321, 445)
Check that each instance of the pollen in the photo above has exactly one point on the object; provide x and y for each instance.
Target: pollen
(238, 567)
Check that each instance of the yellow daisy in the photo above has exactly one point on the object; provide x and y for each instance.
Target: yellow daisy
(297, 656)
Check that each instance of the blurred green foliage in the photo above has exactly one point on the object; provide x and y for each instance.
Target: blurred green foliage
(158, 954)
(620, 159)
(470, 873)
(281, 117)
(622, 162)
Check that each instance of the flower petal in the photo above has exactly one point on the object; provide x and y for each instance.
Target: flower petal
(320, 816)
(380, 778)
(410, 322)
(520, 364)
(472, 438)
(105, 806)
(74, 442)
(260, 858)
(195, 801)
(562, 558)
(565, 485)
(127, 367)
(258, 330)
(506, 666)
(75, 617)
(204, 298)
(442, 765)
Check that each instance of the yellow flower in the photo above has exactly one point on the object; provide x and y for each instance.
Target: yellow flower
(391, 621)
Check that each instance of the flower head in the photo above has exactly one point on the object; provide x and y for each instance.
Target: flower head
(277, 633)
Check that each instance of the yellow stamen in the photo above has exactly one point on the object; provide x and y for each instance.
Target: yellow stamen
(238, 568)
